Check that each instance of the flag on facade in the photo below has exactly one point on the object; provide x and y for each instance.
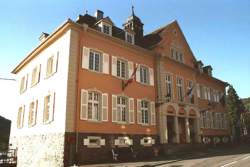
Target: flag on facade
(190, 91)
(130, 80)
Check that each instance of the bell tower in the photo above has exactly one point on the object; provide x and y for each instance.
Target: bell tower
(134, 23)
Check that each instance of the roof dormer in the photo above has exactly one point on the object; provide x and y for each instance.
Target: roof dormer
(200, 66)
(104, 24)
(208, 70)
(129, 36)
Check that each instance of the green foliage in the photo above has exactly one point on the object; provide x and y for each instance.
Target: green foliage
(235, 108)
(246, 102)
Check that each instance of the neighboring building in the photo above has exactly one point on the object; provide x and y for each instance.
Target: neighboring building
(73, 105)
(5, 133)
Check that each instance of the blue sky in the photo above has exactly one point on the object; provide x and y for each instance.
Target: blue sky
(218, 32)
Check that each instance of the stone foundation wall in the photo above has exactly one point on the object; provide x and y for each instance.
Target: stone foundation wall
(39, 150)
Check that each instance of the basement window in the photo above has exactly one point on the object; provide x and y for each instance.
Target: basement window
(94, 142)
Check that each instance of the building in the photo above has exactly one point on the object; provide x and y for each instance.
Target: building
(5, 133)
(91, 89)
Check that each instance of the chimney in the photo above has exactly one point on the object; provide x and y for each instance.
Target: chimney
(43, 36)
(99, 14)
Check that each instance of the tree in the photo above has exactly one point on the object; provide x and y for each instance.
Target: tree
(235, 108)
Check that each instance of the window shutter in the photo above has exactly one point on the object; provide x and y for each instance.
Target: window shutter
(22, 117)
(85, 58)
(104, 107)
(37, 77)
(55, 62)
(114, 108)
(130, 69)
(51, 107)
(131, 111)
(26, 82)
(105, 63)
(152, 110)
(138, 76)
(102, 142)
(151, 76)
(114, 66)
(35, 112)
(84, 105)
(139, 114)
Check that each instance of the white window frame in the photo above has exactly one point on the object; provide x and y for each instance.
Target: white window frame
(103, 25)
(20, 117)
(198, 90)
(51, 67)
(93, 65)
(95, 115)
(147, 141)
(50, 104)
(127, 34)
(144, 74)
(145, 112)
(120, 70)
(169, 86)
(32, 113)
(122, 109)
(35, 75)
(23, 83)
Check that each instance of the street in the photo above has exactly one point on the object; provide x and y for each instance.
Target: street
(226, 157)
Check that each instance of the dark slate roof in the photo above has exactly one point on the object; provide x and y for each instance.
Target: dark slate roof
(91, 21)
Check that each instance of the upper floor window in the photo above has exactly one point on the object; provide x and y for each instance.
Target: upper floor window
(122, 68)
(180, 89)
(95, 60)
(129, 37)
(93, 106)
(51, 67)
(35, 75)
(23, 83)
(144, 75)
(145, 111)
(48, 111)
(122, 108)
(106, 29)
(190, 92)
(168, 87)
(20, 117)
(198, 90)
(176, 55)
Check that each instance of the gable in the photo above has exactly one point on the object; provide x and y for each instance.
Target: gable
(169, 38)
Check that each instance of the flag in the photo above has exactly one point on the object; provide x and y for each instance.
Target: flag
(130, 80)
(190, 91)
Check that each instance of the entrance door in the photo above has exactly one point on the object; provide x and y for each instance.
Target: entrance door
(192, 130)
(170, 127)
(182, 130)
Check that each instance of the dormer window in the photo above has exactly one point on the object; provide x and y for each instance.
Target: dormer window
(105, 26)
(106, 29)
(129, 37)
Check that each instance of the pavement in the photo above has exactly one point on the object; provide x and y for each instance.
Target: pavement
(235, 156)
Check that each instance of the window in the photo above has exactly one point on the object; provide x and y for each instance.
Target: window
(122, 69)
(208, 94)
(190, 92)
(144, 75)
(180, 89)
(94, 142)
(23, 84)
(106, 29)
(147, 141)
(20, 117)
(168, 87)
(94, 61)
(48, 112)
(123, 141)
(52, 64)
(145, 111)
(177, 55)
(32, 113)
(129, 37)
(198, 90)
(35, 75)
(122, 109)
(93, 106)
(205, 93)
